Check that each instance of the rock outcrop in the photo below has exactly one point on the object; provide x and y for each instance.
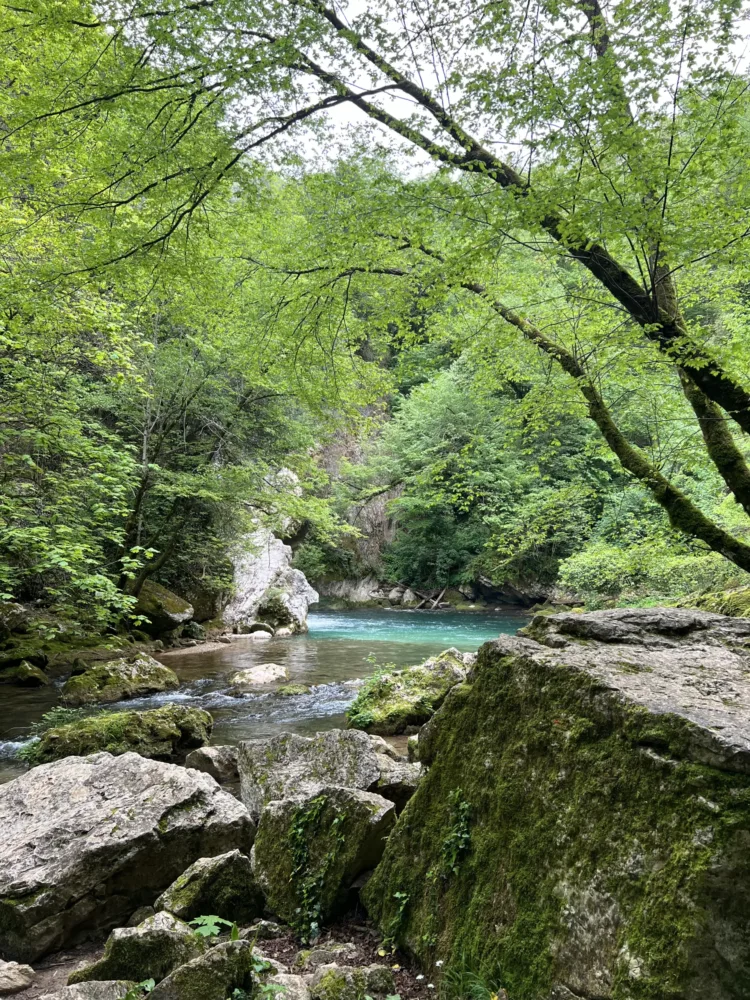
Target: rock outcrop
(116, 680)
(161, 733)
(87, 840)
(149, 951)
(309, 849)
(267, 587)
(583, 829)
(163, 609)
(289, 765)
(396, 701)
(223, 885)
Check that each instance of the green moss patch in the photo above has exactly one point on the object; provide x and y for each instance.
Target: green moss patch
(162, 733)
(391, 701)
(560, 838)
(119, 679)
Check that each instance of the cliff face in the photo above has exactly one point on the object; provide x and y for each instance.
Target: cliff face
(583, 830)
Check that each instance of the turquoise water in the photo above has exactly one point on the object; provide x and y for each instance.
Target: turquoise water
(340, 649)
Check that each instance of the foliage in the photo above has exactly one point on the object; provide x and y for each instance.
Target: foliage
(211, 926)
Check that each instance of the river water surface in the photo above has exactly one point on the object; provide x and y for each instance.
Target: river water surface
(339, 650)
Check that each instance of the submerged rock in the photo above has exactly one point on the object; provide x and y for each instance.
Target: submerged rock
(119, 679)
(287, 765)
(223, 885)
(259, 676)
(267, 587)
(393, 701)
(214, 976)
(309, 850)
(149, 951)
(583, 828)
(220, 762)
(87, 840)
(160, 733)
(163, 609)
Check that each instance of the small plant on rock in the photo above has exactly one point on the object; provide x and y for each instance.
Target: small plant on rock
(211, 926)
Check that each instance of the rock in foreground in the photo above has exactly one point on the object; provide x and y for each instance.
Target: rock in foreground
(288, 765)
(14, 978)
(224, 885)
(309, 850)
(87, 840)
(162, 733)
(398, 700)
(214, 976)
(584, 825)
(119, 679)
(149, 951)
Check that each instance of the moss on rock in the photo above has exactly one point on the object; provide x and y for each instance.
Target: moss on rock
(735, 603)
(163, 609)
(224, 885)
(24, 675)
(290, 690)
(343, 982)
(562, 837)
(392, 701)
(119, 679)
(162, 733)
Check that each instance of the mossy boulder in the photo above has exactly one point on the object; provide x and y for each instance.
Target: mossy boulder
(24, 675)
(127, 677)
(162, 734)
(214, 976)
(149, 951)
(224, 885)
(163, 609)
(393, 701)
(308, 851)
(292, 690)
(346, 982)
(735, 603)
(583, 829)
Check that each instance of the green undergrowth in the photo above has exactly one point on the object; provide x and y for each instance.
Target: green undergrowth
(545, 798)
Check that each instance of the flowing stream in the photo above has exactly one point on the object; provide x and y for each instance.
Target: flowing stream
(340, 649)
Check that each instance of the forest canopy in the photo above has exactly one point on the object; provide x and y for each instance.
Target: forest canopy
(502, 246)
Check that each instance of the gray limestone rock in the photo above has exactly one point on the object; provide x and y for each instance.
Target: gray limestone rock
(346, 982)
(213, 976)
(259, 676)
(131, 677)
(223, 885)
(87, 840)
(288, 765)
(325, 954)
(114, 990)
(149, 951)
(293, 987)
(309, 849)
(15, 977)
(220, 762)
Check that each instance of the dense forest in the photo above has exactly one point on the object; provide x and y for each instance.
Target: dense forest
(265, 264)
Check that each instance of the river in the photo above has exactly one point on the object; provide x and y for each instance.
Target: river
(339, 650)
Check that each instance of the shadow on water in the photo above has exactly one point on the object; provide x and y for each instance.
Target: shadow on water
(336, 653)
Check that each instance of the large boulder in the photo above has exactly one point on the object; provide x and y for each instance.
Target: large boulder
(161, 733)
(259, 676)
(149, 951)
(14, 978)
(394, 701)
(163, 609)
(267, 587)
(25, 674)
(223, 885)
(131, 677)
(87, 840)
(583, 829)
(214, 976)
(283, 766)
(309, 849)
